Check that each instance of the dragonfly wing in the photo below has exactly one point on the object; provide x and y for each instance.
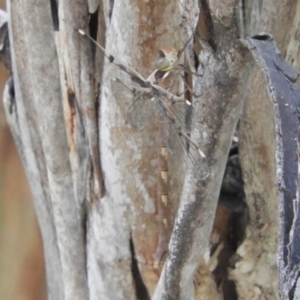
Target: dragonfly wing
(136, 106)
(174, 117)
(180, 143)
(121, 93)
(176, 121)
(140, 111)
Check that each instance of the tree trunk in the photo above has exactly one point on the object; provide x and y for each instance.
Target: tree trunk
(95, 180)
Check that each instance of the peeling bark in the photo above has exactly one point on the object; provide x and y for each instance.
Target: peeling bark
(94, 178)
(285, 95)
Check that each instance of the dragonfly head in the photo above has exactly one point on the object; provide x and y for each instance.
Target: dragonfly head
(168, 58)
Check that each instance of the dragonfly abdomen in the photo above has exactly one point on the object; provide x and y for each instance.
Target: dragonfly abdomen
(162, 204)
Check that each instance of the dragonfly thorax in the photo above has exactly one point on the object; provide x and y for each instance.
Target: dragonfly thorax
(168, 58)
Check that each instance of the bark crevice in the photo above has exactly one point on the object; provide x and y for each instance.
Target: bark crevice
(140, 287)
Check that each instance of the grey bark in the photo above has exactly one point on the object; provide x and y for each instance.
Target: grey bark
(285, 95)
(217, 112)
(100, 233)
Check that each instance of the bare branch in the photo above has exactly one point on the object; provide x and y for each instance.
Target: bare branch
(218, 110)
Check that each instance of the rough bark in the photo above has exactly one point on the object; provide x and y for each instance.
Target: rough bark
(217, 112)
(130, 172)
(100, 233)
(46, 160)
(285, 96)
(257, 146)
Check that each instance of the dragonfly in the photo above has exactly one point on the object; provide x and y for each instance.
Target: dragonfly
(155, 96)
(161, 95)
